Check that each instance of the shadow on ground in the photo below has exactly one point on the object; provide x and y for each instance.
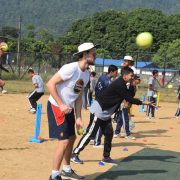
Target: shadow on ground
(15, 148)
(147, 164)
(166, 118)
(151, 133)
(118, 174)
(126, 144)
(143, 122)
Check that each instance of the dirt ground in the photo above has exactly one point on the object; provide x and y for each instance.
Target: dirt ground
(20, 159)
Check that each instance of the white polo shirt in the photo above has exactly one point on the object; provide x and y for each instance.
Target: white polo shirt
(134, 69)
(36, 79)
(74, 80)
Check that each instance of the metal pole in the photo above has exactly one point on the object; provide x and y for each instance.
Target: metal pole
(103, 64)
(164, 72)
(18, 47)
(137, 58)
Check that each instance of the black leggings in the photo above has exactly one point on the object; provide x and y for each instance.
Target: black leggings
(33, 98)
(91, 131)
(178, 110)
(150, 109)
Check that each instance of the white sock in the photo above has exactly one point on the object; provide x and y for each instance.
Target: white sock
(66, 168)
(54, 173)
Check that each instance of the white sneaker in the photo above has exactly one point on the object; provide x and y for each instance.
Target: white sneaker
(91, 141)
(130, 137)
(98, 146)
(147, 117)
(3, 91)
(32, 110)
(131, 125)
(116, 135)
(122, 135)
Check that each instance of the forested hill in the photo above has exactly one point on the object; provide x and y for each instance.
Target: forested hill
(58, 15)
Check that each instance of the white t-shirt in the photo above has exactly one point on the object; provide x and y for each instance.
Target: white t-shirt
(36, 79)
(151, 81)
(74, 80)
(134, 69)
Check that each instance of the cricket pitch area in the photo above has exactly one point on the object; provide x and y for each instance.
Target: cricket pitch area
(21, 159)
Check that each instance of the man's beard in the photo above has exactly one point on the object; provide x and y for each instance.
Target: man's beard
(90, 61)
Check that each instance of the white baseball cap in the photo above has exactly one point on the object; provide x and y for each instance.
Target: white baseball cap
(85, 47)
(129, 58)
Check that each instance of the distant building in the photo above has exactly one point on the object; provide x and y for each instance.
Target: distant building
(143, 67)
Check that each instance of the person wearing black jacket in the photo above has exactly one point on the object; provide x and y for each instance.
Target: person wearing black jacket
(123, 114)
(178, 109)
(100, 114)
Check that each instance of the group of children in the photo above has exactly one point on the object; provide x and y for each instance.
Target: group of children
(64, 106)
(112, 95)
(65, 103)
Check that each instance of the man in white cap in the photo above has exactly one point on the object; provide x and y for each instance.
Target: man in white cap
(65, 89)
(123, 114)
(129, 62)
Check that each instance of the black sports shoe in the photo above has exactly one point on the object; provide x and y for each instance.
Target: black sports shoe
(71, 175)
(56, 178)
(109, 160)
(75, 159)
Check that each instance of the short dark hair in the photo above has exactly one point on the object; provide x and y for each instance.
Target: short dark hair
(131, 63)
(126, 70)
(80, 55)
(137, 77)
(30, 71)
(93, 73)
(155, 72)
(112, 68)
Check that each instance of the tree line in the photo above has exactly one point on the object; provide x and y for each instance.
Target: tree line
(58, 15)
(114, 31)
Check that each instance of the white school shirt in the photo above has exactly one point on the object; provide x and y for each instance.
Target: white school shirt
(36, 79)
(134, 69)
(74, 80)
(151, 81)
